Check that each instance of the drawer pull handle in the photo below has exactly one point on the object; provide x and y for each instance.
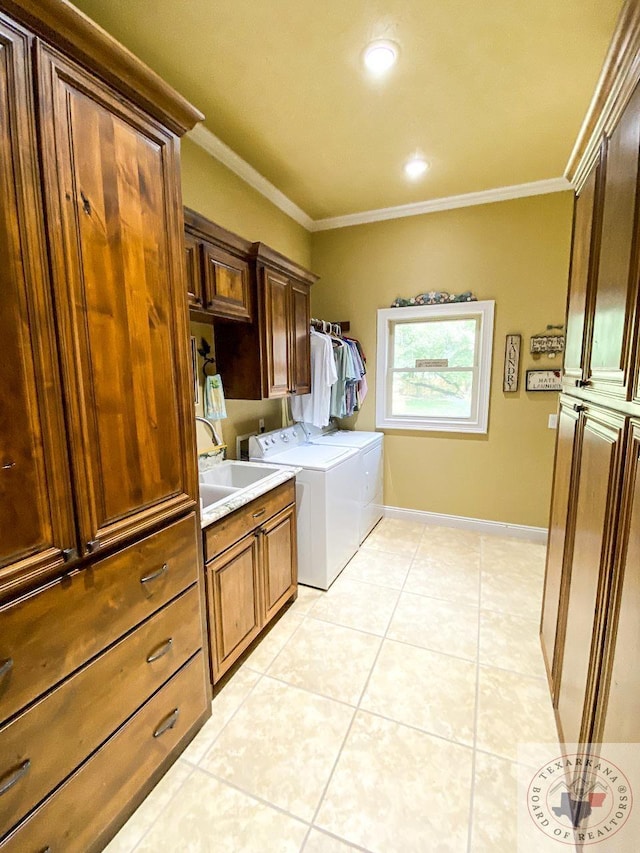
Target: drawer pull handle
(163, 568)
(167, 724)
(259, 513)
(5, 666)
(579, 407)
(161, 651)
(14, 776)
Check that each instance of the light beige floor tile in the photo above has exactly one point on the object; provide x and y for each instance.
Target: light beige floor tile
(499, 825)
(443, 626)
(223, 707)
(513, 709)
(452, 580)
(378, 567)
(307, 597)
(448, 543)
(320, 842)
(265, 652)
(211, 817)
(357, 605)
(151, 808)
(327, 659)
(395, 536)
(511, 642)
(519, 594)
(502, 556)
(396, 789)
(281, 745)
(425, 689)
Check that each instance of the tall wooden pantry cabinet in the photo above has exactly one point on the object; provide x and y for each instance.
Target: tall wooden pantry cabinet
(591, 611)
(103, 670)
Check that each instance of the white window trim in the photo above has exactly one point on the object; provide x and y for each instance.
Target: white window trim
(479, 420)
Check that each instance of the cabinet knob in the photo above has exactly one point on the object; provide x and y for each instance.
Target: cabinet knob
(582, 383)
(579, 407)
(69, 554)
(93, 546)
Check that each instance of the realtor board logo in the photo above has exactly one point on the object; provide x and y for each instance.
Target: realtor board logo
(579, 799)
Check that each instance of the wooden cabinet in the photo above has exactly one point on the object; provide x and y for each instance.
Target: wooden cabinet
(101, 592)
(251, 573)
(219, 280)
(591, 609)
(270, 358)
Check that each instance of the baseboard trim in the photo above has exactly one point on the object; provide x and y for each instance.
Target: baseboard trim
(491, 528)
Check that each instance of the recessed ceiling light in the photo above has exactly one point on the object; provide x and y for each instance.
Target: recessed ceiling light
(415, 167)
(380, 55)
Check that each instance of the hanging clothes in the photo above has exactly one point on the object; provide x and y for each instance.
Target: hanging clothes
(342, 391)
(314, 408)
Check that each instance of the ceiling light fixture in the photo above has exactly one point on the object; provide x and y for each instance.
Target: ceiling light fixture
(415, 167)
(380, 56)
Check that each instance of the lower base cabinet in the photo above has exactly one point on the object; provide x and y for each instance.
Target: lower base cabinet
(251, 573)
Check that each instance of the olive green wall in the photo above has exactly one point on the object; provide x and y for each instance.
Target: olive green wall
(515, 252)
(219, 194)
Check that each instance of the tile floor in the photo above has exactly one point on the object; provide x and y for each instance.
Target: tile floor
(383, 715)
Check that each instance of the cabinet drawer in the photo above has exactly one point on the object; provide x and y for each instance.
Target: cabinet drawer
(222, 534)
(47, 742)
(77, 817)
(50, 633)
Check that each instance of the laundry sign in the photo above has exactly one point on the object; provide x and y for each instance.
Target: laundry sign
(425, 363)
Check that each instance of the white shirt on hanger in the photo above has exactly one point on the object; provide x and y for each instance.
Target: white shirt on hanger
(314, 408)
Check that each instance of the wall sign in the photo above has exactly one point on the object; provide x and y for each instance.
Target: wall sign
(544, 380)
(511, 362)
(425, 363)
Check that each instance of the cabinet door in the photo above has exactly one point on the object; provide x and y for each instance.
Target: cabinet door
(616, 281)
(234, 603)
(596, 497)
(115, 219)
(36, 515)
(192, 271)
(279, 560)
(226, 281)
(300, 355)
(618, 720)
(276, 334)
(583, 246)
(560, 540)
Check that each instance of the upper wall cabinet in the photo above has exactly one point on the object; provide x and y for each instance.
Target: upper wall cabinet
(270, 358)
(218, 275)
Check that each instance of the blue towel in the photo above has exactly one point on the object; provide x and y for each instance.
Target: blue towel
(214, 406)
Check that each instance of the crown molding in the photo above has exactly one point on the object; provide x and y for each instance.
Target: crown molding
(551, 185)
(217, 149)
(228, 157)
(618, 78)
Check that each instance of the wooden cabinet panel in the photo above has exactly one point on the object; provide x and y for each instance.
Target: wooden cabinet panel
(618, 720)
(227, 288)
(583, 248)
(113, 781)
(300, 357)
(595, 511)
(279, 560)
(54, 736)
(616, 281)
(560, 541)
(120, 299)
(275, 296)
(36, 513)
(233, 583)
(49, 634)
(195, 295)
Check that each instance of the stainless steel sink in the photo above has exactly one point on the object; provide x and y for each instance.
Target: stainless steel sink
(235, 475)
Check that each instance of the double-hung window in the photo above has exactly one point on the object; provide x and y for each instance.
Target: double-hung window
(434, 367)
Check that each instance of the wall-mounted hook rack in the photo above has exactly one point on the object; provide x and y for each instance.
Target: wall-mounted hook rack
(203, 351)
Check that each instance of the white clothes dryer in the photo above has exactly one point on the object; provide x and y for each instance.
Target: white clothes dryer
(327, 506)
(370, 448)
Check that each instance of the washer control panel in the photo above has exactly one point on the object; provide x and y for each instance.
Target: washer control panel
(278, 440)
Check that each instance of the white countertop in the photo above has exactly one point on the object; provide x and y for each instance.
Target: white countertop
(243, 496)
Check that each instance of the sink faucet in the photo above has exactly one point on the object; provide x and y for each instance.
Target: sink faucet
(214, 435)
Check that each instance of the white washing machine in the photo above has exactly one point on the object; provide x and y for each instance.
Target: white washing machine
(370, 448)
(327, 497)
